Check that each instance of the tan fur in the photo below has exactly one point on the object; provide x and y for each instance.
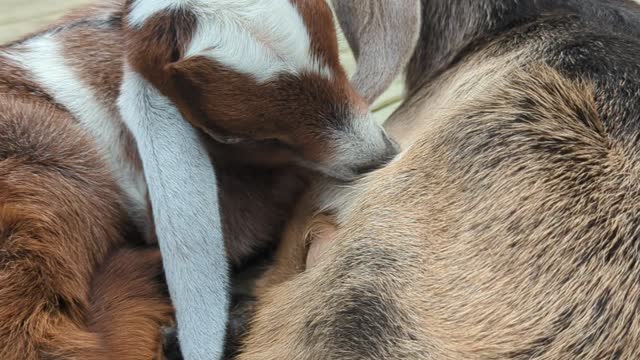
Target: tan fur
(508, 226)
(512, 246)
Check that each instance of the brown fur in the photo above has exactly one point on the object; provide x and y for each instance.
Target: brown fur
(61, 213)
(59, 218)
(300, 112)
(103, 73)
(14, 82)
(129, 302)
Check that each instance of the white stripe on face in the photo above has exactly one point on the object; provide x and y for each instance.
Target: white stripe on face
(142, 10)
(184, 199)
(259, 38)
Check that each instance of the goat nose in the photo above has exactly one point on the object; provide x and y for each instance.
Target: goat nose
(392, 147)
(380, 161)
(365, 169)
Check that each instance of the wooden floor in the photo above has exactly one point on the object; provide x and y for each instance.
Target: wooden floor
(20, 17)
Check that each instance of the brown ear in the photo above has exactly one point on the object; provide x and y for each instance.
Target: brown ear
(382, 35)
(191, 78)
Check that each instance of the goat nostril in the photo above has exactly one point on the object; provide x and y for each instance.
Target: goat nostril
(392, 147)
(367, 168)
(375, 165)
(385, 155)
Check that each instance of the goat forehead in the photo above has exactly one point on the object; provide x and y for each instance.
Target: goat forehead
(260, 38)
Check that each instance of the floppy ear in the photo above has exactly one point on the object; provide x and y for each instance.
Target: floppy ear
(382, 35)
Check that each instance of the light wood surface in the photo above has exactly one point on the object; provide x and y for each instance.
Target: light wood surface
(20, 17)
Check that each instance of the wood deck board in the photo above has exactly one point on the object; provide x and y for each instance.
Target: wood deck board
(21, 17)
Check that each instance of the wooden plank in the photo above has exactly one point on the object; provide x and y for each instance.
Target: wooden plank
(13, 31)
(20, 17)
(20, 10)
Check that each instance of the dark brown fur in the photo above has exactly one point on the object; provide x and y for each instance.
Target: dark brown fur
(59, 219)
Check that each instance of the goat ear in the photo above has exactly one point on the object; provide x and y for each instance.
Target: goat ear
(382, 35)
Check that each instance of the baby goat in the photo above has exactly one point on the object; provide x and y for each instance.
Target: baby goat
(101, 126)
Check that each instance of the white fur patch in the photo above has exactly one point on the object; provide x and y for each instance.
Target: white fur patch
(141, 10)
(365, 138)
(362, 143)
(183, 191)
(43, 58)
(259, 38)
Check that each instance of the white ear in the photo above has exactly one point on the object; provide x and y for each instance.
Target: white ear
(184, 199)
(382, 35)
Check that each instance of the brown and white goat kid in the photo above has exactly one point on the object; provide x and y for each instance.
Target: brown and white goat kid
(88, 104)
